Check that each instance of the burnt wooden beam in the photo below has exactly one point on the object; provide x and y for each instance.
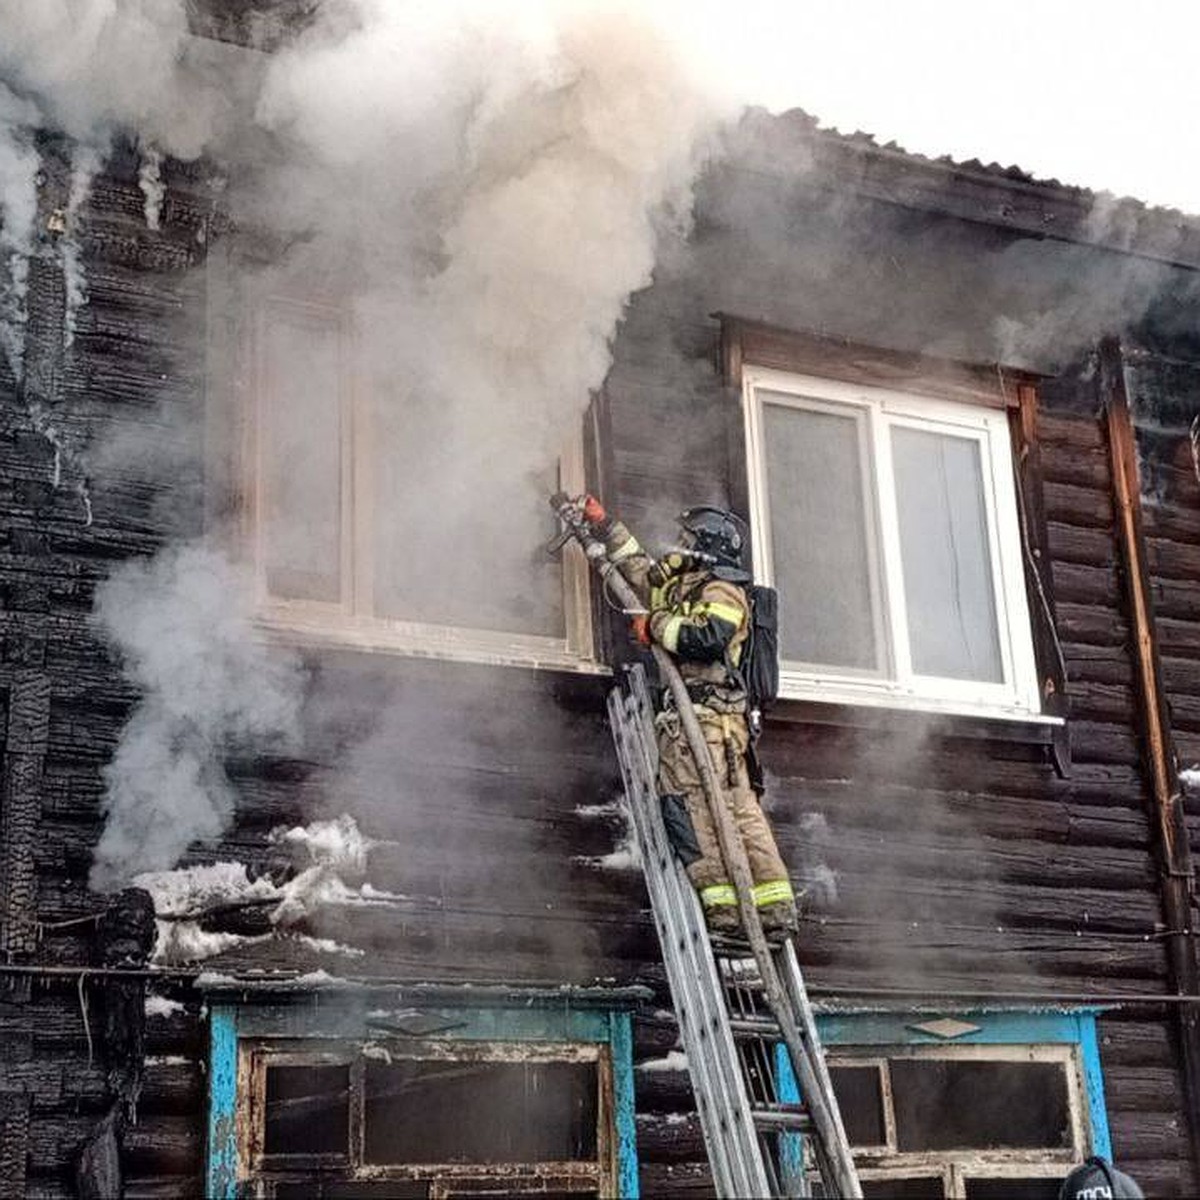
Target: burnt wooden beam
(14, 1142)
(27, 733)
(1168, 819)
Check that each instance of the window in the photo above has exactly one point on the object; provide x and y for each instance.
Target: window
(993, 1105)
(378, 514)
(421, 1103)
(888, 521)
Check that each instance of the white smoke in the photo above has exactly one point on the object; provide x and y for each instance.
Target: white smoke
(152, 186)
(98, 67)
(501, 184)
(86, 162)
(184, 625)
(487, 188)
(18, 214)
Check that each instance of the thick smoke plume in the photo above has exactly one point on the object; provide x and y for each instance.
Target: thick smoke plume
(183, 623)
(481, 192)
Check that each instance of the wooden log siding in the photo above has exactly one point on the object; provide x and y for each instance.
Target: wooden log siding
(957, 863)
(1174, 858)
(963, 864)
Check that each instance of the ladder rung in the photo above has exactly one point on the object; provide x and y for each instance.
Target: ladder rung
(782, 1118)
(755, 1027)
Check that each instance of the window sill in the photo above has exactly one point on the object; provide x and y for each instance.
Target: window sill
(1038, 729)
(407, 639)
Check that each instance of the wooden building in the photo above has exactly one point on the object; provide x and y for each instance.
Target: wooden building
(905, 372)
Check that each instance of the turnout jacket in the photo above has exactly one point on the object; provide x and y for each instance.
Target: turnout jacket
(700, 619)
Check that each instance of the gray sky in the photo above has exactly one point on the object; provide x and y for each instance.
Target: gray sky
(1089, 92)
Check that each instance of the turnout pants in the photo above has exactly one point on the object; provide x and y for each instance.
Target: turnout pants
(680, 777)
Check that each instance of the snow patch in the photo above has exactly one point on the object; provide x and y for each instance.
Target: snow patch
(613, 808)
(191, 891)
(183, 896)
(676, 1060)
(185, 942)
(338, 843)
(329, 946)
(377, 894)
(160, 1006)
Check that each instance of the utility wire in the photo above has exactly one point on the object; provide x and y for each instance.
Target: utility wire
(830, 991)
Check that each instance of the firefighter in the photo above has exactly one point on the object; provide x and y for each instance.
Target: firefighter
(698, 611)
(1098, 1179)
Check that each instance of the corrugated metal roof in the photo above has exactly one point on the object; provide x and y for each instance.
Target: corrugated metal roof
(1007, 196)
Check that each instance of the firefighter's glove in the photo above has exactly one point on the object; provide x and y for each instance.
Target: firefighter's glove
(593, 511)
(639, 629)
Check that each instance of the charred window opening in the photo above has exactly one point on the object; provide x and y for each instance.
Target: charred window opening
(1013, 1189)
(307, 1110)
(943, 1105)
(350, 1189)
(965, 1122)
(480, 1112)
(416, 1117)
(862, 1103)
(920, 1187)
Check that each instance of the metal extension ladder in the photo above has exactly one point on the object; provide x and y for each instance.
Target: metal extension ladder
(762, 1140)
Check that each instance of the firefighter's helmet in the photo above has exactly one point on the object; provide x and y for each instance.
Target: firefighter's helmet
(1097, 1177)
(716, 531)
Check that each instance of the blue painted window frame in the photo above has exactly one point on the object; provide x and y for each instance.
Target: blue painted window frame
(231, 1023)
(863, 1030)
(1073, 1027)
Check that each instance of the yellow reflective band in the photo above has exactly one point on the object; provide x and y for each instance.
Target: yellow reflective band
(775, 891)
(725, 612)
(668, 635)
(719, 895)
(625, 550)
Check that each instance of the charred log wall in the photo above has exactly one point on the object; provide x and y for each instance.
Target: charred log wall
(957, 862)
(937, 860)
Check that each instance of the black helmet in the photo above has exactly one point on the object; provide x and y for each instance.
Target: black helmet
(1096, 1178)
(717, 532)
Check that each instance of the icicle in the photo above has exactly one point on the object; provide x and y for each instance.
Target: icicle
(153, 188)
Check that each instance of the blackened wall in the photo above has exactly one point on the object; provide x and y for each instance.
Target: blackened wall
(956, 861)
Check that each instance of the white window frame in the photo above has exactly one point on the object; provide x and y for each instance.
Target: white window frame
(350, 620)
(956, 1167)
(896, 685)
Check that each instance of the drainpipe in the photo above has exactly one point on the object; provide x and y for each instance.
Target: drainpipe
(1167, 817)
